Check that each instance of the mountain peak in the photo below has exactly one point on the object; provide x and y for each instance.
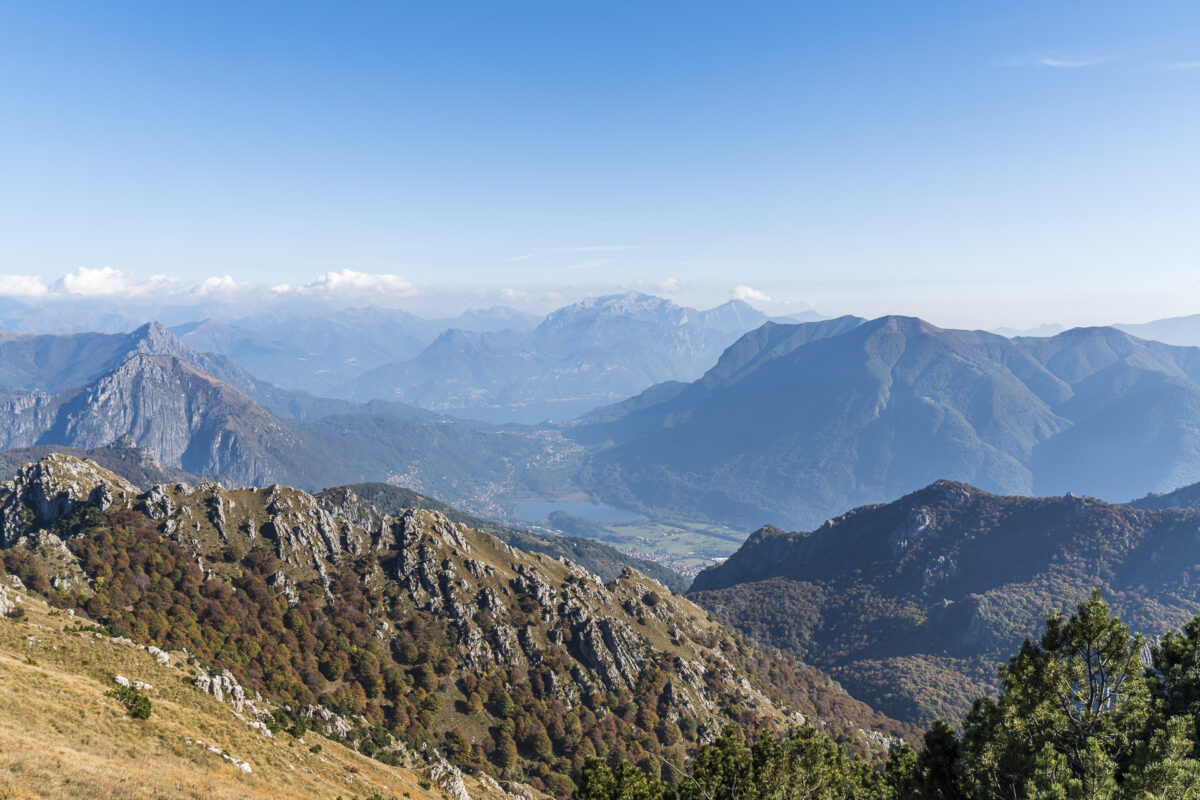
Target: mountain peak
(52, 487)
(153, 331)
(897, 323)
(629, 303)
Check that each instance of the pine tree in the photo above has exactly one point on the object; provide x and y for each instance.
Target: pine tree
(1069, 716)
(1165, 768)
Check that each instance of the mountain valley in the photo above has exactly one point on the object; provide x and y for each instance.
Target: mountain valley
(599, 401)
(203, 415)
(793, 424)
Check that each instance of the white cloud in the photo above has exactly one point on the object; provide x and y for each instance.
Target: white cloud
(22, 286)
(219, 285)
(1063, 62)
(1118, 62)
(1121, 62)
(749, 294)
(347, 283)
(515, 295)
(87, 282)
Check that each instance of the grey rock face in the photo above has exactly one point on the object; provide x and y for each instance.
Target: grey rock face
(450, 780)
(9, 596)
(326, 721)
(918, 523)
(505, 608)
(44, 492)
(26, 415)
(610, 648)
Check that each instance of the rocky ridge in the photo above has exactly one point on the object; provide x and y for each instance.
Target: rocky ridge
(582, 643)
(200, 414)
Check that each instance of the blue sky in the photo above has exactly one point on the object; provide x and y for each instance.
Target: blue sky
(976, 164)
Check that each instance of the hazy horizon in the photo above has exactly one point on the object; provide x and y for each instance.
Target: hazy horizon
(173, 301)
(976, 167)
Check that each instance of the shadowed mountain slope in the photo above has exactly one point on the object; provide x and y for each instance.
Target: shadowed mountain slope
(797, 422)
(910, 604)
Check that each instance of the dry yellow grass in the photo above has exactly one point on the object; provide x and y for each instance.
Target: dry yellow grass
(61, 737)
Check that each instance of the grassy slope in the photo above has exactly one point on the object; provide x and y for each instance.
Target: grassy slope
(61, 737)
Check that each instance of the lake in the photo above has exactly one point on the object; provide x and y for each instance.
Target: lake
(593, 512)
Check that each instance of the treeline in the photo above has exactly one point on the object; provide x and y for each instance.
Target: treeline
(1088, 712)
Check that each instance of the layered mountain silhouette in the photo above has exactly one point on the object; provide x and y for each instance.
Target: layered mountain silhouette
(1183, 331)
(202, 414)
(911, 604)
(150, 413)
(793, 423)
(584, 355)
(796, 422)
(53, 363)
(317, 352)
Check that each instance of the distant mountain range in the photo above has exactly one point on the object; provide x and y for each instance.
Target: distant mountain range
(1183, 331)
(498, 365)
(792, 424)
(582, 356)
(53, 363)
(795, 423)
(317, 353)
(911, 604)
(202, 414)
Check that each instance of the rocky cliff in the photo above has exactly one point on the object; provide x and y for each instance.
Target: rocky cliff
(196, 421)
(423, 628)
